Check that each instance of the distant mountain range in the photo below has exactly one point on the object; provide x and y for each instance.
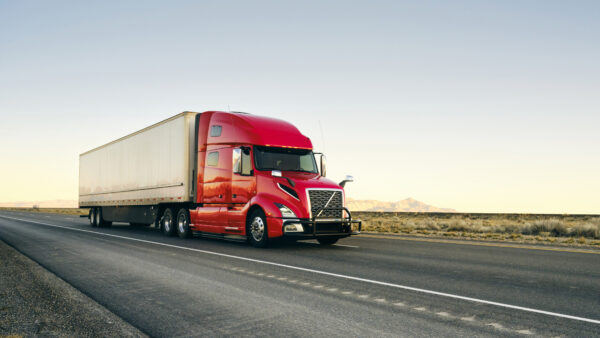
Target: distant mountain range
(406, 205)
(41, 204)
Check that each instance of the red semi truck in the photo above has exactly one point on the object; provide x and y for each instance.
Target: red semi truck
(221, 174)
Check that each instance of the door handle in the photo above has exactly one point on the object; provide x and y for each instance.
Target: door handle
(220, 196)
(234, 195)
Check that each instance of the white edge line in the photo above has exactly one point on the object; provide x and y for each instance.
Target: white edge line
(347, 246)
(398, 286)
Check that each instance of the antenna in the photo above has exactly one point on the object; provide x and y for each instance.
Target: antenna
(322, 137)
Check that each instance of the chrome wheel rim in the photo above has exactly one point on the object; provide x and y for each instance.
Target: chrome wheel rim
(92, 217)
(257, 228)
(97, 215)
(181, 222)
(167, 223)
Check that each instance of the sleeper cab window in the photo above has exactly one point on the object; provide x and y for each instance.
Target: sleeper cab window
(212, 160)
(215, 131)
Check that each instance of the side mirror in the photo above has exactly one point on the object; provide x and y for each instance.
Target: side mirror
(323, 165)
(347, 179)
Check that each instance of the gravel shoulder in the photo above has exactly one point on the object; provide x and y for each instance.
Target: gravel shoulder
(35, 302)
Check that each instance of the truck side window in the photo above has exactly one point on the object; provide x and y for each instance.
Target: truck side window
(241, 161)
(246, 162)
(212, 160)
(215, 131)
(237, 161)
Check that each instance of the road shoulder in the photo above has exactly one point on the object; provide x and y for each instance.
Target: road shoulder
(36, 302)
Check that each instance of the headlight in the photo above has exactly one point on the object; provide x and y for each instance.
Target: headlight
(285, 211)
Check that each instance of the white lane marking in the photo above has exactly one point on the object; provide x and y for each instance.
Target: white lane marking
(526, 332)
(325, 273)
(496, 326)
(347, 246)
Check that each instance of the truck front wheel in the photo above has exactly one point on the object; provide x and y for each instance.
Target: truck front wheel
(167, 221)
(257, 229)
(183, 224)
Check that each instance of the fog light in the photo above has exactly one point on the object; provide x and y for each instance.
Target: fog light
(294, 228)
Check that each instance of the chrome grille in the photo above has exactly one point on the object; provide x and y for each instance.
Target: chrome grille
(319, 199)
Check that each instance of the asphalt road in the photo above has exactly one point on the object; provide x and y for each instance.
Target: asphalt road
(363, 287)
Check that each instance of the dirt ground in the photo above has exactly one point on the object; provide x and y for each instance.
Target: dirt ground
(35, 302)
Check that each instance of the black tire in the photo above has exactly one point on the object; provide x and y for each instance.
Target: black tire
(183, 223)
(100, 222)
(92, 217)
(256, 229)
(167, 222)
(327, 240)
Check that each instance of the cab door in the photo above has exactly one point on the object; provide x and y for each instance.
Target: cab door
(243, 184)
(217, 176)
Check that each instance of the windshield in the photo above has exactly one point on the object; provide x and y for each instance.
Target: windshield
(284, 159)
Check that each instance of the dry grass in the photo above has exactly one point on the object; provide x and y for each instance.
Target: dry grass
(64, 211)
(581, 229)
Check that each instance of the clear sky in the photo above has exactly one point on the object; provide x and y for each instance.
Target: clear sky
(482, 106)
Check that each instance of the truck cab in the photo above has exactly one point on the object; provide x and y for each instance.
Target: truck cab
(258, 178)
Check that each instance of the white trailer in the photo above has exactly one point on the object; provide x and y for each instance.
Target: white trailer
(151, 166)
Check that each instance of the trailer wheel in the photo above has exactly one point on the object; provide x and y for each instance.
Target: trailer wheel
(100, 222)
(256, 229)
(183, 223)
(167, 222)
(327, 241)
(92, 217)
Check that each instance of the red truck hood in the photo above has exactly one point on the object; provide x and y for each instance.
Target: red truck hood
(310, 180)
(301, 182)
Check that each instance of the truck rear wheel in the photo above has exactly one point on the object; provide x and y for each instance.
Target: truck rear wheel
(183, 223)
(167, 222)
(256, 229)
(92, 217)
(100, 222)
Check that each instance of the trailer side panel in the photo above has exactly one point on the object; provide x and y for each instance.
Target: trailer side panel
(151, 166)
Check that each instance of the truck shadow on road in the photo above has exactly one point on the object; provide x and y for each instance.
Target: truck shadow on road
(200, 241)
